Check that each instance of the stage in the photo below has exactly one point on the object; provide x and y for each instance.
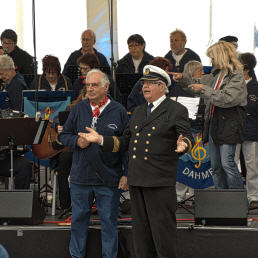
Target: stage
(50, 240)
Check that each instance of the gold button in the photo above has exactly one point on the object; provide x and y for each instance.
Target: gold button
(137, 134)
(145, 158)
(147, 142)
(146, 150)
(136, 127)
(134, 156)
(153, 128)
(134, 148)
(135, 141)
(149, 134)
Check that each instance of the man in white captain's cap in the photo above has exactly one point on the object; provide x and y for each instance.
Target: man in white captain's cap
(157, 132)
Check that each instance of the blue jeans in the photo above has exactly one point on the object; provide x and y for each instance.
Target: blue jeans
(107, 202)
(225, 172)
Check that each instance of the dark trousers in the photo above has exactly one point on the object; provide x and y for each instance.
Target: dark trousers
(64, 164)
(22, 170)
(154, 221)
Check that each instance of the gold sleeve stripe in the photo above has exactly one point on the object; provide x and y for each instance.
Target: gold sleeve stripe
(189, 143)
(116, 144)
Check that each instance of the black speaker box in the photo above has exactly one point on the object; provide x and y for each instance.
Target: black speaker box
(20, 207)
(227, 207)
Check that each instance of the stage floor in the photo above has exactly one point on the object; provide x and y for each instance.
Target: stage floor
(51, 240)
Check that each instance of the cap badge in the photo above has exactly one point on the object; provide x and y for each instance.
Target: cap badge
(147, 71)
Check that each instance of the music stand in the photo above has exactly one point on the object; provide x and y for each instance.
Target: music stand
(20, 131)
(73, 72)
(125, 82)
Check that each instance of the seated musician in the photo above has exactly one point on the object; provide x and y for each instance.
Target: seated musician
(51, 79)
(13, 83)
(193, 69)
(137, 58)
(86, 63)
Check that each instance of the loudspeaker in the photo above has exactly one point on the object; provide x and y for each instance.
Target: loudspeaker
(20, 207)
(227, 207)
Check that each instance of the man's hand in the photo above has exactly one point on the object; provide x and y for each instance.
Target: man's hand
(93, 136)
(82, 142)
(181, 145)
(59, 129)
(196, 87)
(123, 183)
(176, 76)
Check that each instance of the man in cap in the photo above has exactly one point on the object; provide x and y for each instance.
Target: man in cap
(231, 39)
(157, 131)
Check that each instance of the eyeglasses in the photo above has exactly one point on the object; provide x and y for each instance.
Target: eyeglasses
(93, 85)
(130, 46)
(151, 83)
(3, 72)
(85, 39)
(7, 43)
(83, 68)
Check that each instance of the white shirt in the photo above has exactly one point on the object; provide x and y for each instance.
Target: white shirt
(157, 102)
(136, 63)
(178, 57)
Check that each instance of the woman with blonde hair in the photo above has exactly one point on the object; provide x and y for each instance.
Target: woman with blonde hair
(224, 91)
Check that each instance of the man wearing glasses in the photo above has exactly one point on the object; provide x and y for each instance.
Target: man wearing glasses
(157, 132)
(88, 40)
(94, 174)
(23, 61)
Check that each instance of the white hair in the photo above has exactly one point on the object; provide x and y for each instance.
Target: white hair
(104, 77)
(6, 62)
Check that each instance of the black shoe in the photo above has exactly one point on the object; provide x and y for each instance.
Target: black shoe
(253, 205)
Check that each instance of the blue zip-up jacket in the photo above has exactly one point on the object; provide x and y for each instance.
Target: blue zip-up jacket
(14, 90)
(91, 166)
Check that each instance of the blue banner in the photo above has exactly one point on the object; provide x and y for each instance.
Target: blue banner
(194, 168)
(49, 103)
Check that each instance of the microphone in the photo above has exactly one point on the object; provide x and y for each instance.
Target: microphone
(5, 50)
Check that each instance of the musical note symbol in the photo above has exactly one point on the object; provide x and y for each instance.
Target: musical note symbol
(197, 149)
(47, 112)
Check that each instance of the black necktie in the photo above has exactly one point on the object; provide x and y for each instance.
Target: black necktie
(150, 106)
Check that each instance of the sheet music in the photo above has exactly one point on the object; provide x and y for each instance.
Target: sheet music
(192, 105)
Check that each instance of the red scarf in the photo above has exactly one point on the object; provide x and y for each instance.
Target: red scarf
(96, 111)
(83, 79)
(213, 107)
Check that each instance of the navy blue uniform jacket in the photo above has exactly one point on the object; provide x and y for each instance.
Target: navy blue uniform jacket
(151, 142)
(91, 166)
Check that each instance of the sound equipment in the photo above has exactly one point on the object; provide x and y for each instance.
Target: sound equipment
(224, 207)
(20, 207)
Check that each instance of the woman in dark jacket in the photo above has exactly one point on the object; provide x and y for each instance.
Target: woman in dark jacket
(51, 79)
